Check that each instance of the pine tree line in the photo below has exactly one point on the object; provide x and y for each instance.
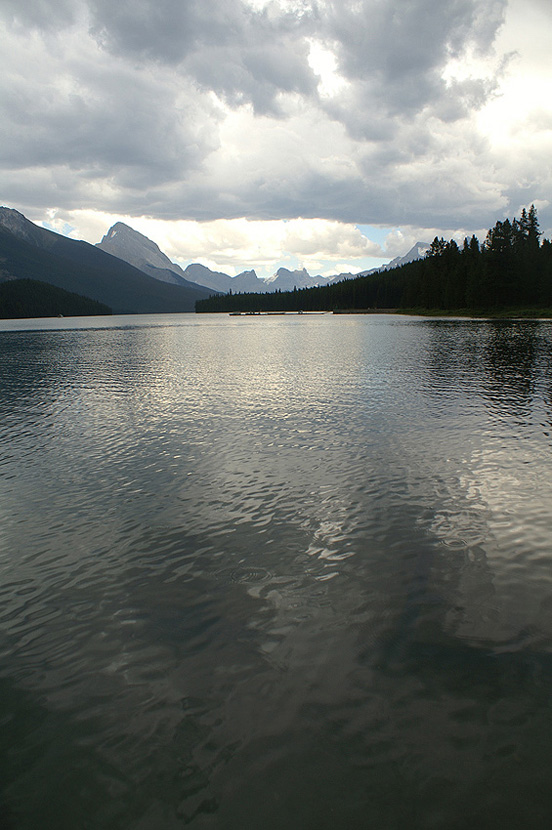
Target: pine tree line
(510, 270)
(32, 298)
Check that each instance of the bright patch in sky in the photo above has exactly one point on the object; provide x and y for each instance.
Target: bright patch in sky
(324, 64)
(254, 133)
(234, 245)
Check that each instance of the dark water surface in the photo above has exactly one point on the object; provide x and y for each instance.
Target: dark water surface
(275, 572)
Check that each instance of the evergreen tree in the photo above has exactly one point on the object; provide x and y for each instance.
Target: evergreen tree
(533, 232)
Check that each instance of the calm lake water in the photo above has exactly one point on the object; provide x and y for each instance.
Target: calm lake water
(275, 572)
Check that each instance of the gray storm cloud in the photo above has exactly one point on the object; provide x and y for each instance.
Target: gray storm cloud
(207, 109)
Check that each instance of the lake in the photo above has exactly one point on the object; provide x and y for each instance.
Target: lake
(275, 572)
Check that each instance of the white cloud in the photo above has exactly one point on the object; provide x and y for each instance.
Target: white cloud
(236, 244)
(323, 63)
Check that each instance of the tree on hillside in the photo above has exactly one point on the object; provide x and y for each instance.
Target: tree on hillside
(501, 238)
(527, 229)
(437, 247)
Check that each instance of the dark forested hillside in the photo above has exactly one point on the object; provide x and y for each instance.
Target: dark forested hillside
(510, 270)
(31, 298)
(30, 252)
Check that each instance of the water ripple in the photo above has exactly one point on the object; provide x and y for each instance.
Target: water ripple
(276, 572)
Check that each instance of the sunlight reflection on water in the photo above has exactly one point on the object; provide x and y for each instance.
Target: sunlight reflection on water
(276, 572)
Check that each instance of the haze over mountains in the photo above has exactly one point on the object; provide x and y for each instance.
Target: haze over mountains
(129, 273)
(28, 251)
(135, 248)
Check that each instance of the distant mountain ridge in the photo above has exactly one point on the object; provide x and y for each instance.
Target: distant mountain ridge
(28, 251)
(247, 281)
(286, 280)
(135, 248)
(129, 273)
(138, 250)
(417, 251)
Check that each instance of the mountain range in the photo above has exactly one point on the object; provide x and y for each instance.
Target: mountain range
(135, 248)
(129, 273)
(28, 251)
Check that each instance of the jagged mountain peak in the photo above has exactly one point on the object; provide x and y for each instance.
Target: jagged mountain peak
(15, 222)
(119, 227)
(21, 227)
(283, 270)
(124, 234)
(32, 252)
(132, 246)
(417, 251)
(7, 212)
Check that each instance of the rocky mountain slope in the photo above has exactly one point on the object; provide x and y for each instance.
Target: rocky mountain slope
(142, 252)
(28, 251)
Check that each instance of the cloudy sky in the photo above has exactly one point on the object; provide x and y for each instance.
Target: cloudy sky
(330, 134)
